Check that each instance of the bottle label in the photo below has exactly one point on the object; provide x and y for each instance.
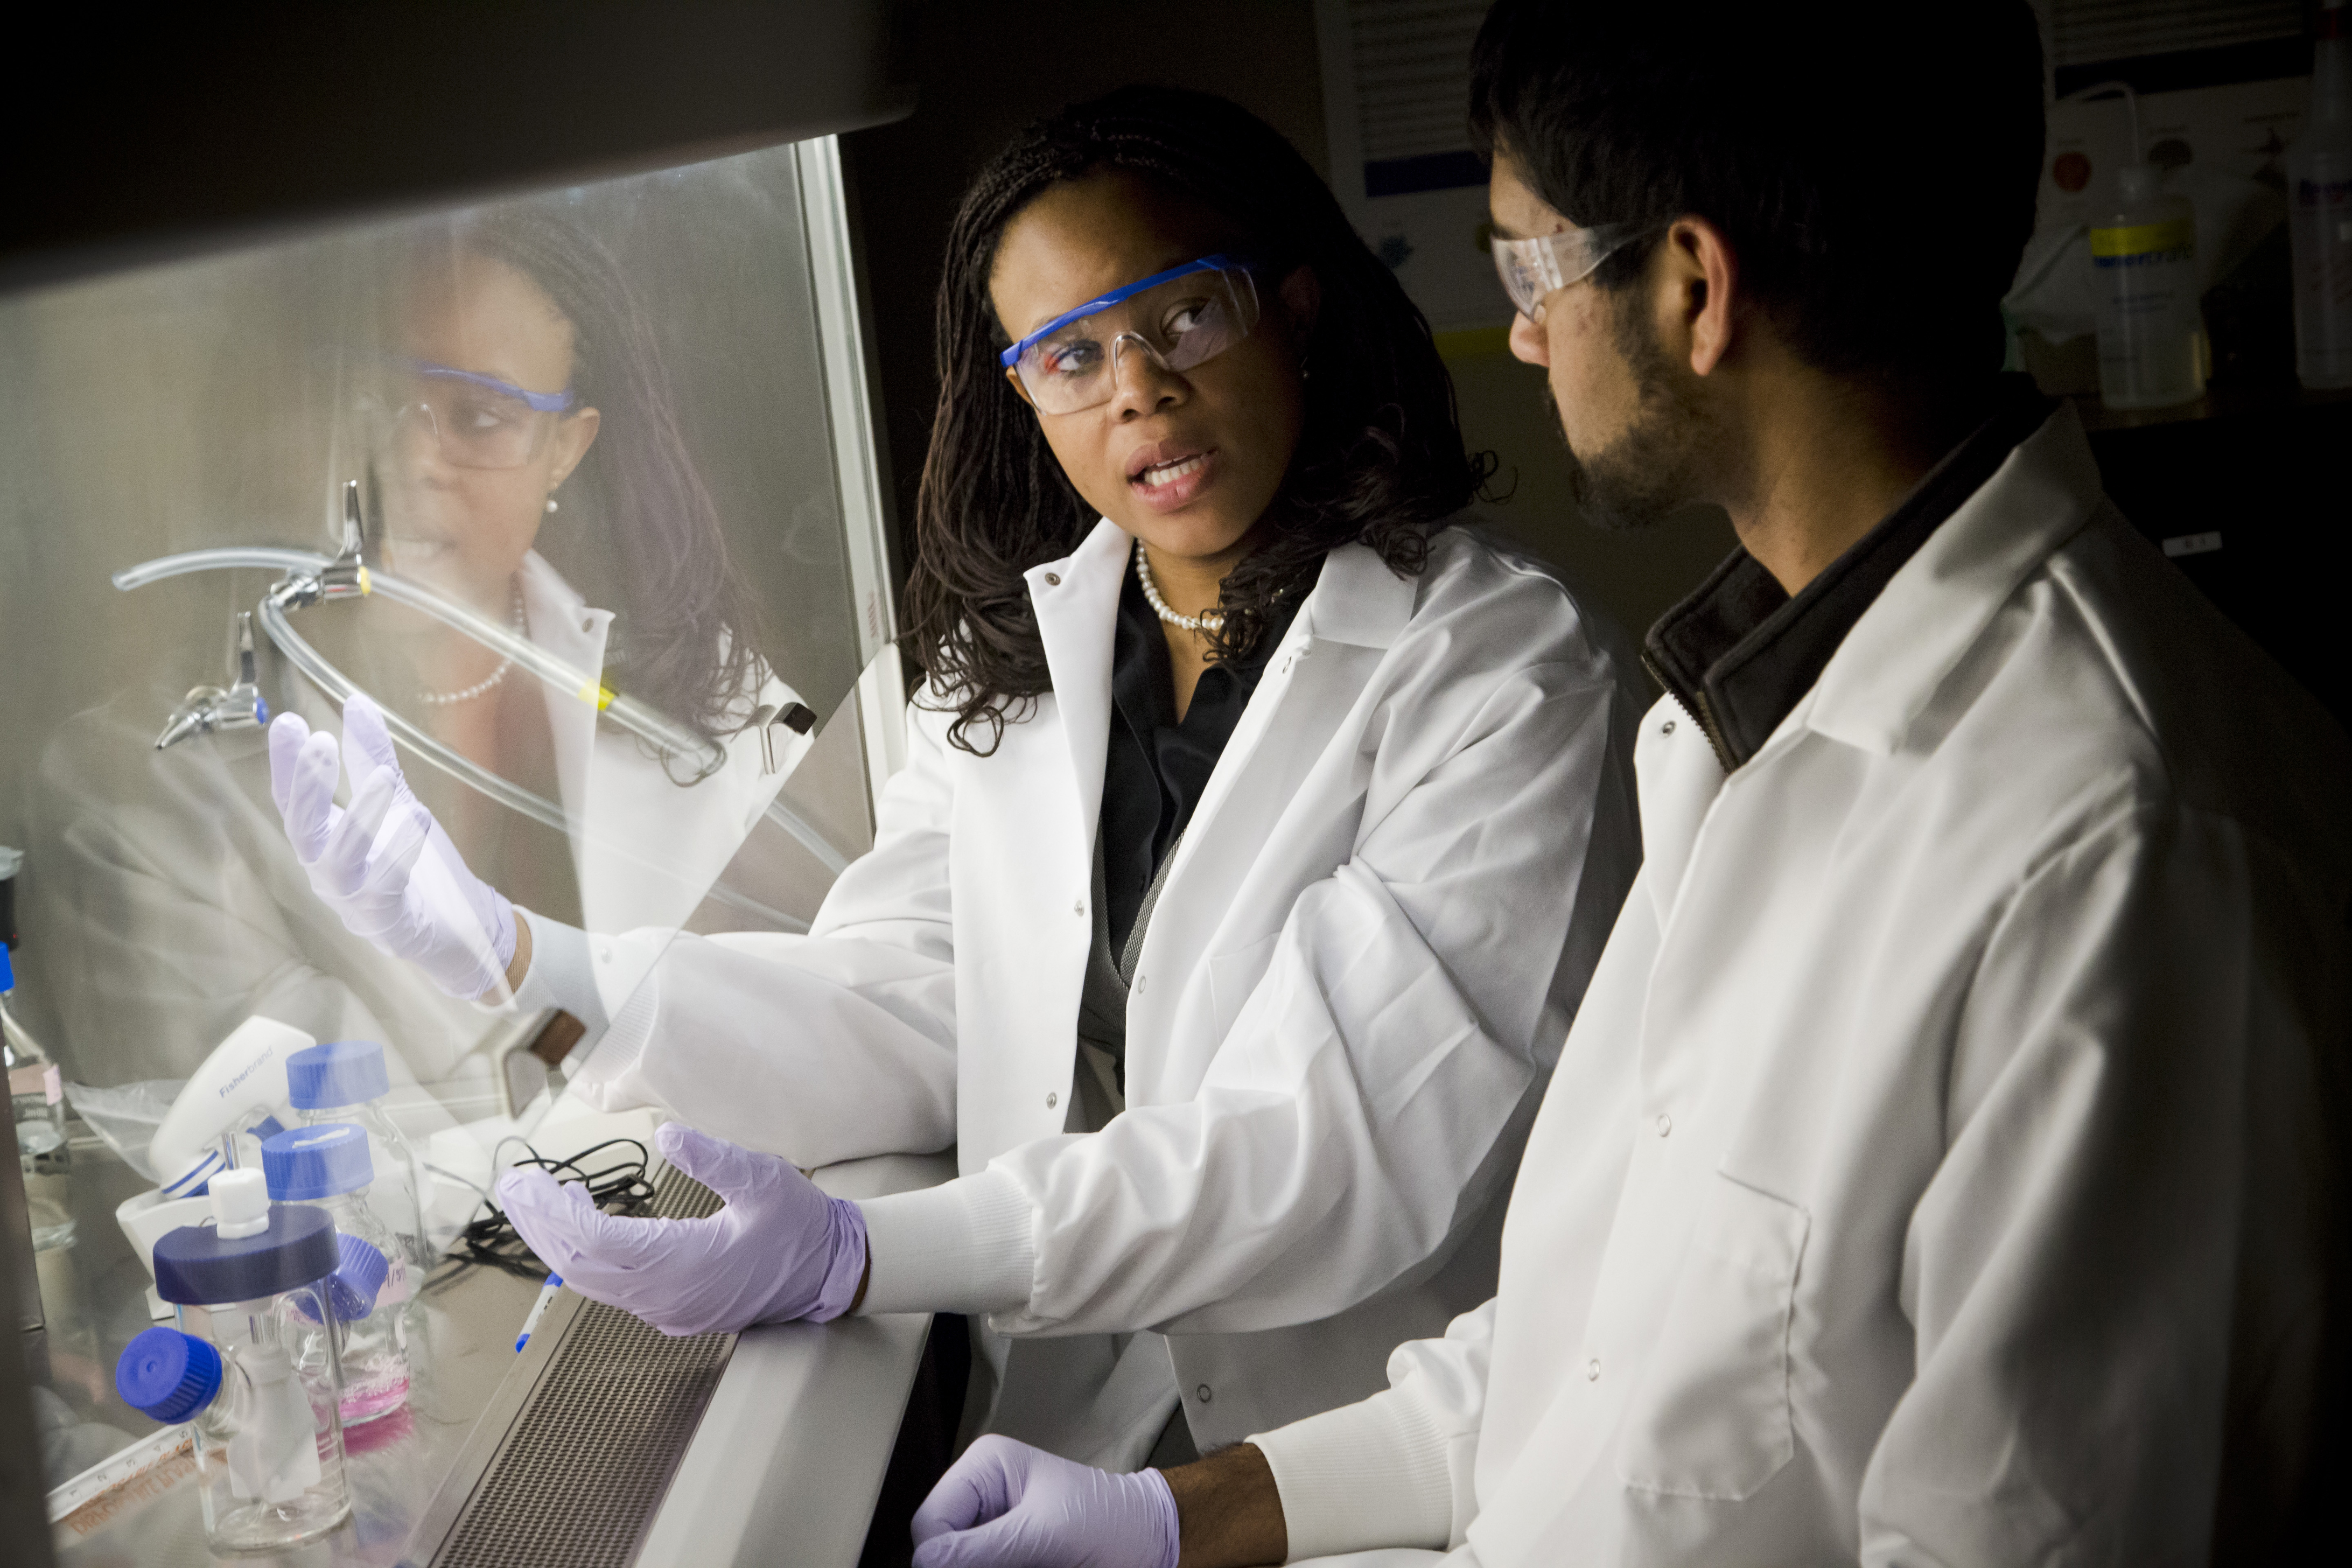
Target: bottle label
(2143, 244)
(38, 1077)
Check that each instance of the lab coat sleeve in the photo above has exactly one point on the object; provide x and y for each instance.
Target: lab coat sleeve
(824, 1047)
(1396, 1470)
(2116, 1264)
(1355, 1112)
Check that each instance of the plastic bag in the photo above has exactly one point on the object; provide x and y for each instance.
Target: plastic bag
(127, 1117)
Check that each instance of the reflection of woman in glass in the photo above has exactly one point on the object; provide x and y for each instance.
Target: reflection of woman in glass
(514, 399)
(515, 332)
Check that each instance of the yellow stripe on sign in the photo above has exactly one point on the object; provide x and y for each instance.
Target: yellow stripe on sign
(2142, 239)
(1472, 342)
(604, 697)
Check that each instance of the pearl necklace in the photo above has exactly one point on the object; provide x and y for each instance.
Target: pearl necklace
(1206, 618)
(488, 683)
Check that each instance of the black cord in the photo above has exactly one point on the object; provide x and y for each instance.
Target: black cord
(621, 1189)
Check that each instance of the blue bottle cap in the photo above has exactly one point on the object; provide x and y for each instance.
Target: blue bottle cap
(341, 1072)
(166, 1375)
(7, 970)
(194, 1265)
(357, 1279)
(312, 1163)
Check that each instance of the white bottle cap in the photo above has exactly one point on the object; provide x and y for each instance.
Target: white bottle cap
(241, 1205)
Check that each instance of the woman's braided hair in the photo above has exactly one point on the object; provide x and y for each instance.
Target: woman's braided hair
(1380, 459)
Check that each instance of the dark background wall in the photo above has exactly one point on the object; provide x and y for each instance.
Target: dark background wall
(986, 68)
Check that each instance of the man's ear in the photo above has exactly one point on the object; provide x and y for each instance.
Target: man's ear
(1302, 297)
(1703, 283)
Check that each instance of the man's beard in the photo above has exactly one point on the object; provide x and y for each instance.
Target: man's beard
(1653, 468)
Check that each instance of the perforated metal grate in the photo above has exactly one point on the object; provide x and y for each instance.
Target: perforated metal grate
(584, 1467)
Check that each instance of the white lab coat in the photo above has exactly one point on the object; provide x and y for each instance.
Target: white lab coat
(1927, 1176)
(166, 907)
(1370, 941)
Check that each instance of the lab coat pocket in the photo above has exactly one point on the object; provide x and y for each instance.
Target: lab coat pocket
(1232, 976)
(1710, 1416)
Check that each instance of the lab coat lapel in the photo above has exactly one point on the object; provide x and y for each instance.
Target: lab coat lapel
(1312, 680)
(1356, 602)
(1075, 600)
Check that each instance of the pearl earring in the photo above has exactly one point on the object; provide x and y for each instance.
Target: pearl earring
(551, 504)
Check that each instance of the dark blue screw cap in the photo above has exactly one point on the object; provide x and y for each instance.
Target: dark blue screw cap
(193, 1264)
(341, 1072)
(358, 1279)
(312, 1163)
(167, 1376)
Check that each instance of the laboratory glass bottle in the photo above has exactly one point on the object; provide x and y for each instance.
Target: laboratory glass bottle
(36, 1093)
(345, 1080)
(2319, 211)
(251, 1366)
(2144, 291)
(328, 1166)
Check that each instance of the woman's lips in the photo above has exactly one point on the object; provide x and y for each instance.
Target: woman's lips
(1165, 486)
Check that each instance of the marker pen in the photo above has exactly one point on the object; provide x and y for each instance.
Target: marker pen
(539, 1309)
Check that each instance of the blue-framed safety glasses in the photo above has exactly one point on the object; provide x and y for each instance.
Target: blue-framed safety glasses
(478, 421)
(1179, 318)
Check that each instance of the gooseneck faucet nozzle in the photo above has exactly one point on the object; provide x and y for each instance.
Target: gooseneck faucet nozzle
(209, 709)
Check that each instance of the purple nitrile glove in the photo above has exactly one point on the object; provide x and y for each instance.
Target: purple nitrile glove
(1007, 1505)
(780, 1250)
(385, 866)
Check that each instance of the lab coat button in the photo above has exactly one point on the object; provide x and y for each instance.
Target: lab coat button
(1592, 1371)
(1665, 1124)
(1203, 1393)
(1052, 1099)
(1079, 908)
(1139, 981)
(1053, 579)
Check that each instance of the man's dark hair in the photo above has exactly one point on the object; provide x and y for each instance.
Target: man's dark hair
(1380, 461)
(1875, 169)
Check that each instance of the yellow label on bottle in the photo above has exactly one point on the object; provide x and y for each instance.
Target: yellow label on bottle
(2145, 239)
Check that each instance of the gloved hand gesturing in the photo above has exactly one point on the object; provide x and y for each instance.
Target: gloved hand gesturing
(780, 1249)
(1007, 1505)
(385, 866)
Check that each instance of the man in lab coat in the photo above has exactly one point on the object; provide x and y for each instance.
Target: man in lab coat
(1938, 1167)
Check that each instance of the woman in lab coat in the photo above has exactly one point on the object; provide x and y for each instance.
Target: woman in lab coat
(1259, 830)
(170, 911)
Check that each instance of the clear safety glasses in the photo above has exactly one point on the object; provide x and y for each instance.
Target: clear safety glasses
(1532, 268)
(477, 421)
(1179, 319)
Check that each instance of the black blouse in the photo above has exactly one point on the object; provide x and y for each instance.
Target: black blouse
(1157, 768)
